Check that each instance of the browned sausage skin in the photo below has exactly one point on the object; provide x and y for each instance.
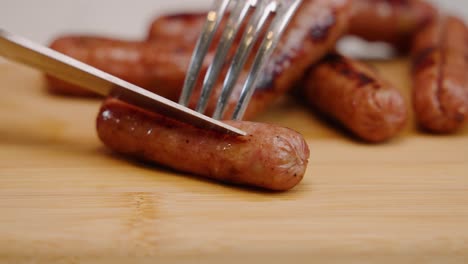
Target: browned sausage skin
(312, 32)
(393, 21)
(182, 28)
(141, 63)
(440, 92)
(354, 94)
(75, 47)
(159, 62)
(270, 157)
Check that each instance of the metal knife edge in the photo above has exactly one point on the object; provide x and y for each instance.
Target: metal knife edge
(122, 88)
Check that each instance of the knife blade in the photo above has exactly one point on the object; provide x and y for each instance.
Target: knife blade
(63, 67)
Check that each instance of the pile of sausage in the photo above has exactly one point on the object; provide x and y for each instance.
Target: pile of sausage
(339, 87)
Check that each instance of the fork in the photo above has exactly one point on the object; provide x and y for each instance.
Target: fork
(279, 12)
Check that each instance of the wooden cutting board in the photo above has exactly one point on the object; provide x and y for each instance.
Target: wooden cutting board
(66, 198)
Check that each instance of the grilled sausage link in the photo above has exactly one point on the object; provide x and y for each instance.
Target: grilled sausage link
(149, 66)
(158, 64)
(182, 28)
(440, 68)
(312, 32)
(393, 21)
(270, 157)
(354, 95)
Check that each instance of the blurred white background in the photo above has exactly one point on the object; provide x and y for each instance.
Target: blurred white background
(42, 20)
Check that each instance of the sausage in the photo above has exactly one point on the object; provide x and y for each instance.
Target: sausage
(184, 29)
(357, 97)
(161, 61)
(392, 21)
(269, 157)
(177, 28)
(440, 68)
(75, 47)
(312, 32)
(140, 63)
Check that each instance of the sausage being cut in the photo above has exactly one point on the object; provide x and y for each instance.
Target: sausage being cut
(269, 157)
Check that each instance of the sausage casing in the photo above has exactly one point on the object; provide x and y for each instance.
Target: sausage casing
(389, 20)
(354, 95)
(313, 31)
(270, 157)
(440, 69)
(177, 28)
(140, 63)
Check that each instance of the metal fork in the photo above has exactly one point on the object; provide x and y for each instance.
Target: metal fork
(280, 12)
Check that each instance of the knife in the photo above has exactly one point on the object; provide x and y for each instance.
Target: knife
(63, 67)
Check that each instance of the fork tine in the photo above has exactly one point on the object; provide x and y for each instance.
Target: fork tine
(256, 24)
(273, 36)
(212, 23)
(236, 18)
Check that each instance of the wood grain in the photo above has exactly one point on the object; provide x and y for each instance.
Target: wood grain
(65, 198)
